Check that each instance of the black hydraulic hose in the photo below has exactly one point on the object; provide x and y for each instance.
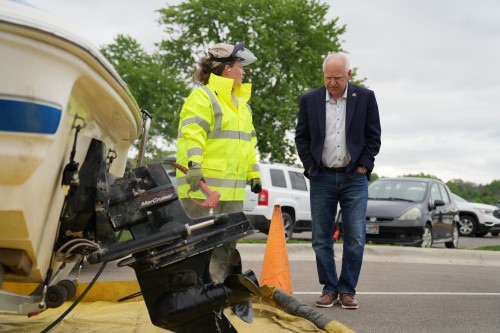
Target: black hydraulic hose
(75, 303)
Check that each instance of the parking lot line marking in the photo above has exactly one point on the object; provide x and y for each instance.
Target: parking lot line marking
(404, 293)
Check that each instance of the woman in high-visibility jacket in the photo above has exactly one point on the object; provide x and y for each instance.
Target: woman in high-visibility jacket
(217, 139)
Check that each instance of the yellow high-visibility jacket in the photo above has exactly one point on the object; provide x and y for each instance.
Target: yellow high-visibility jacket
(219, 136)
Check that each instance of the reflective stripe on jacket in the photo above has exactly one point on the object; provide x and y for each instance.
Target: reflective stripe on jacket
(219, 136)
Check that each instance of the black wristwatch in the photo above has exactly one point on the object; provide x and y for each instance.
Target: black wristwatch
(192, 164)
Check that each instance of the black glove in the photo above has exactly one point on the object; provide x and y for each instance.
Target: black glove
(256, 185)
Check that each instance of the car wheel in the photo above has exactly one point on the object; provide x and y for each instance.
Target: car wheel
(288, 225)
(427, 237)
(468, 225)
(453, 244)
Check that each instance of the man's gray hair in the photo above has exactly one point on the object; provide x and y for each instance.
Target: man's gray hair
(338, 54)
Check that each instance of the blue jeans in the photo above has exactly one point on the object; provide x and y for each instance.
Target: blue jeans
(352, 194)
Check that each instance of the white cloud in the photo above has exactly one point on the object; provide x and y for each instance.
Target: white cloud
(100, 21)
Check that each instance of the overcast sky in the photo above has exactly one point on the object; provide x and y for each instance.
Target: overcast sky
(433, 64)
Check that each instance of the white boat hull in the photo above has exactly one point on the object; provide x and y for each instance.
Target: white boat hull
(48, 77)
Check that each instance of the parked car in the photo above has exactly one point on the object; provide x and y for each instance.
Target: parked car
(282, 185)
(411, 211)
(477, 219)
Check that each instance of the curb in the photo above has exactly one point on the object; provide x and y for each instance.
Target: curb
(378, 253)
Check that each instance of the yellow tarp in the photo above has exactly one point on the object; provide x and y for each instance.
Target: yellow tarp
(133, 317)
(109, 317)
(270, 319)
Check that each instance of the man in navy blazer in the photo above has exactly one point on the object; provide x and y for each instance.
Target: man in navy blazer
(337, 138)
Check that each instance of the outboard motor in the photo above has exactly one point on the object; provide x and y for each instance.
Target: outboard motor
(140, 220)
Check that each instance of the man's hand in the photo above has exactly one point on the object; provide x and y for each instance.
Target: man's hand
(361, 169)
(256, 185)
(193, 178)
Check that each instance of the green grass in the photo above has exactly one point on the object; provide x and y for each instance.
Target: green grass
(487, 248)
(126, 235)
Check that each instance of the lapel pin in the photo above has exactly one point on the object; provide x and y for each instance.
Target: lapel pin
(353, 94)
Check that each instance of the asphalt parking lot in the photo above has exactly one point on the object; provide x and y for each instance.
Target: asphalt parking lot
(407, 289)
(401, 289)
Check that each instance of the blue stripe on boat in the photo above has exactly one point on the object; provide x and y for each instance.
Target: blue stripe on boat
(29, 117)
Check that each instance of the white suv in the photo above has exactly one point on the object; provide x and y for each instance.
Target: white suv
(282, 185)
(477, 219)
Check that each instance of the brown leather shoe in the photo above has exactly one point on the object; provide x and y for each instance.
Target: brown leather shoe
(327, 300)
(347, 301)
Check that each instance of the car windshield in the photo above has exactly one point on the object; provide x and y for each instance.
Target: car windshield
(457, 198)
(397, 190)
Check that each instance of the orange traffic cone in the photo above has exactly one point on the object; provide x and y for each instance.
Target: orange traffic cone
(275, 267)
(336, 233)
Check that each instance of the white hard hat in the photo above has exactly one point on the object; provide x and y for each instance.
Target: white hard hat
(222, 52)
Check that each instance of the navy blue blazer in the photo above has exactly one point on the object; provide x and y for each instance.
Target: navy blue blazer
(362, 129)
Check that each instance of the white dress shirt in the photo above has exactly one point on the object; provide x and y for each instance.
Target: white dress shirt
(335, 154)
